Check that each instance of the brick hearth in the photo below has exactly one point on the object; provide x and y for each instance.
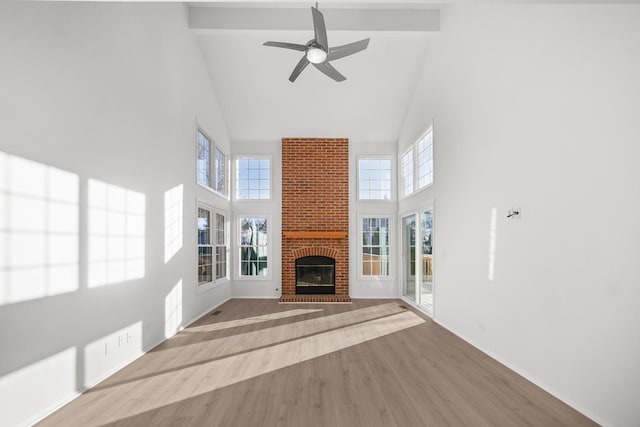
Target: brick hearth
(315, 207)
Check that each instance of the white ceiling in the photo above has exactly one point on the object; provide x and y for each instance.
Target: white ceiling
(260, 104)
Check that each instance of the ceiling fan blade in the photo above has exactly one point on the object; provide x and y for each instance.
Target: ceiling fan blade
(347, 49)
(328, 69)
(296, 71)
(293, 46)
(319, 29)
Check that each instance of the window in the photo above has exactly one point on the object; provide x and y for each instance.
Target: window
(221, 246)
(425, 160)
(253, 246)
(212, 247)
(374, 179)
(375, 246)
(207, 168)
(204, 168)
(205, 250)
(221, 183)
(253, 178)
(407, 172)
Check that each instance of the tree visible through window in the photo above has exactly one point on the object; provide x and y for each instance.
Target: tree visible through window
(221, 246)
(253, 246)
(204, 166)
(205, 248)
(221, 164)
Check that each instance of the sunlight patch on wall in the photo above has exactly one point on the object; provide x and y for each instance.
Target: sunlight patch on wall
(38, 230)
(492, 243)
(172, 222)
(173, 310)
(116, 234)
(38, 387)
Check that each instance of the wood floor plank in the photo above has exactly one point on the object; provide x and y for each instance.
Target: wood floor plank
(372, 363)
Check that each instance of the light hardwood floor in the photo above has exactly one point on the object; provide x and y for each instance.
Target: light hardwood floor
(370, 363)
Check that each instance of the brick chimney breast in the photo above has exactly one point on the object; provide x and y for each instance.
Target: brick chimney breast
(315, 206)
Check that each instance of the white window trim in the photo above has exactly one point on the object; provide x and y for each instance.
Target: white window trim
(212, 164)
(414, 146)
(215, 282)
(392, 256)
(237, 245)
(393, 177)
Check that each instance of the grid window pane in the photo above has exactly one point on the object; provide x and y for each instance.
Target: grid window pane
(221, 246)
(374, 179)
(375, 246)
(425, 160)
(204, 153)
(407, 172)
(253, 246)
(205, 248)
(253, 179)
(221, 172)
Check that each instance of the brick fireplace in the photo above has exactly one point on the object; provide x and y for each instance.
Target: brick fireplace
(315, 213)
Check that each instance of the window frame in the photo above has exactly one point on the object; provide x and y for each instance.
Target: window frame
(403, 179)
(417, 185)
(236, 176)
(213, 171)
(416, 166)
(214, 212)
(392, 192)
(360, 245)
(238, 247)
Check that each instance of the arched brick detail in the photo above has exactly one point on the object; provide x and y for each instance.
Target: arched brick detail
(315, 251)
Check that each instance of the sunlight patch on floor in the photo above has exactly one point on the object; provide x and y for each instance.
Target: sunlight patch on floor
(180, 384)
(252, 320)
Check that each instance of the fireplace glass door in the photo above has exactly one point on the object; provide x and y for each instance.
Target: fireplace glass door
(315, 275)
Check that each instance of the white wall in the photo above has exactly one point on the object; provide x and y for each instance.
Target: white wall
(107, 92)
(373, 287)
(270, 286)
(537, 107)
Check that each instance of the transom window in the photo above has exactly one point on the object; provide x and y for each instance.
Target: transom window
(208, 167)
(375, 246)
(374, 179)
(416, 165)
(204, 166)
(407, 172)
(253, 178)
(425, 160)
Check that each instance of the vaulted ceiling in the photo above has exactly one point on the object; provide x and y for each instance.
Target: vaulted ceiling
(258, 101)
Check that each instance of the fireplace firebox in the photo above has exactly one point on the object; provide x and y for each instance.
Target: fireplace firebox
(315, 275)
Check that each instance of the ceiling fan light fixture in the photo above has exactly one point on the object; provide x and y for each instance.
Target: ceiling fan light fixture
(316, 55)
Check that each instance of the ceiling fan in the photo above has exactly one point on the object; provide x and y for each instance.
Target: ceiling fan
(318, 52)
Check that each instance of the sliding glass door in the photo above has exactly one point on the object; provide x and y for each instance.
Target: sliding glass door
(409, 256)
(417, 262)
